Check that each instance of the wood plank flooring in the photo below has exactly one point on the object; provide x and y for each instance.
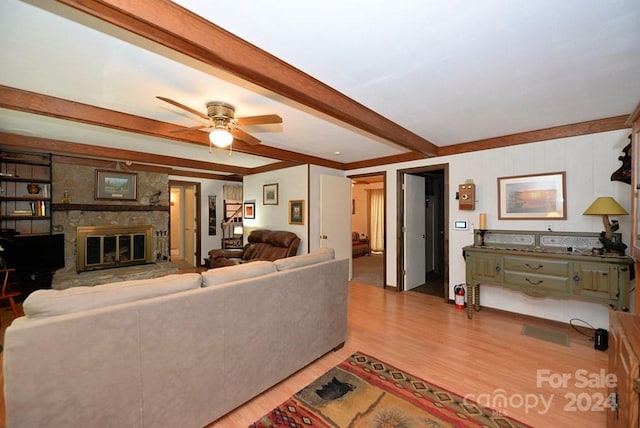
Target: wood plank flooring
(435, 341)
(484, 358)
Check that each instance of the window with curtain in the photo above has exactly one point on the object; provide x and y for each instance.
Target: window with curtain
(376, 219)
(231, 193)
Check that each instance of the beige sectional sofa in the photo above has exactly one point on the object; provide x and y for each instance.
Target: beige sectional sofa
(180, 350)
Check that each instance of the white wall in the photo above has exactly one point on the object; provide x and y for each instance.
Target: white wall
(292, 185)
(588, 161)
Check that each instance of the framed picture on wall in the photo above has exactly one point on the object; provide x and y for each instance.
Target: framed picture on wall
(116, 184)
(249, 210)
(212, 215)
(270, 194)
(532, 197)
(296, 212)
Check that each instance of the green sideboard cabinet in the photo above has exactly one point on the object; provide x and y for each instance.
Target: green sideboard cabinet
(547, 264)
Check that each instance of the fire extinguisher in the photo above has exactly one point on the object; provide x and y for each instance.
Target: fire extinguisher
(458, 290)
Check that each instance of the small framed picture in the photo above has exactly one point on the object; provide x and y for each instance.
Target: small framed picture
(249, 210)
(296, 212)
(270, 194)
(116, 185)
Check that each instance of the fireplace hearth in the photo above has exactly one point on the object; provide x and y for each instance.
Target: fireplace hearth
(104, 247)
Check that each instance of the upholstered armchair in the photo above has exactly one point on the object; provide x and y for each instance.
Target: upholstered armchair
(262, 245)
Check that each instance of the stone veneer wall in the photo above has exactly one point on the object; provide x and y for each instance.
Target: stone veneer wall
(78, 181)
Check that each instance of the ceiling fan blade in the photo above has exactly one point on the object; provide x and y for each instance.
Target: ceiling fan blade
(243, 136)
(258, 120)
(183, 107)
(191, 128)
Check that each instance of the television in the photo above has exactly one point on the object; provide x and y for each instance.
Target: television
(33, 255)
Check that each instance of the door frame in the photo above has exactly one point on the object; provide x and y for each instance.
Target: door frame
(384, 228)
(400, 223)
(198, 212)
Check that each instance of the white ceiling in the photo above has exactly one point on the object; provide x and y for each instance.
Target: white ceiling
(449, 71)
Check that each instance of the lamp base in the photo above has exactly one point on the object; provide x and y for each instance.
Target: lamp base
(609, 246)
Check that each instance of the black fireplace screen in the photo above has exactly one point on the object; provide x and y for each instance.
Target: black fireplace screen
(115, 249)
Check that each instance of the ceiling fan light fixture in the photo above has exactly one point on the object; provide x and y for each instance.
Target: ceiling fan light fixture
(220, 137)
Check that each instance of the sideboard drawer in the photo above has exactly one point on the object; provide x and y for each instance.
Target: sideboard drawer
(539, 266)
(537, 285)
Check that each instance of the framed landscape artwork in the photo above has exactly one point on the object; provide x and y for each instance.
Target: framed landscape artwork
(118, 185)
(532, 197)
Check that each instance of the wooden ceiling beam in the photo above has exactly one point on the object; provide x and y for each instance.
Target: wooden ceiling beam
(404, 157)
(89, 151)
(179, 29)
(31, 102)
(573, 130)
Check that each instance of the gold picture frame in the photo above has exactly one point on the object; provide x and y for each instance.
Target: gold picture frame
(532, 197)
(296, 212)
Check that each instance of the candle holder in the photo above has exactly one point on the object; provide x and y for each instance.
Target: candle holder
(481, 233)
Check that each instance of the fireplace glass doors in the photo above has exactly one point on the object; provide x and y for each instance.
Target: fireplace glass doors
(102, 247)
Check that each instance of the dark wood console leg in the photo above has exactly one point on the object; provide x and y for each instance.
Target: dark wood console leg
(470, 295)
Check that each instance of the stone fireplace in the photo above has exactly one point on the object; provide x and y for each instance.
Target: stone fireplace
(130, 237)
(103, 247)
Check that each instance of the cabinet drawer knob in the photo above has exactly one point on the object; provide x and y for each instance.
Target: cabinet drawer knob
(534, 282)
(533, 267)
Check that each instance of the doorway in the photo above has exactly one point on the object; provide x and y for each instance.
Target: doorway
(368, 228)
(184, 223)
(422, 233)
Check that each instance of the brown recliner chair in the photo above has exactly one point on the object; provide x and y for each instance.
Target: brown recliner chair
(262, 245)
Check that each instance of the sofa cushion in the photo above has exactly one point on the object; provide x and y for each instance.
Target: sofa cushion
(47, 303)
(318, 256)
(237, 272)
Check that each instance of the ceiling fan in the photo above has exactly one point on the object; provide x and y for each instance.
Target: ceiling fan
(225, 126)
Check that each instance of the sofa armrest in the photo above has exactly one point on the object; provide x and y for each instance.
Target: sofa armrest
(228, 253)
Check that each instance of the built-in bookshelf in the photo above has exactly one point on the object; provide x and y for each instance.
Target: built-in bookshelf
(25, 193)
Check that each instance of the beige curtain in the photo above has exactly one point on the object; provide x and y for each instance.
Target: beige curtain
(232, 192)
(376, 219)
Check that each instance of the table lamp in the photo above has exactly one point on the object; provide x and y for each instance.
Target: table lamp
(237, 230)
(606, 206)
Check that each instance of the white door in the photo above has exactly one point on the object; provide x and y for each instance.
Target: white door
(190, 225)
(414, 235)
(335, 216)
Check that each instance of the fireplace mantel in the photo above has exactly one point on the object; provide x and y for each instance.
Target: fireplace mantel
(108, 207)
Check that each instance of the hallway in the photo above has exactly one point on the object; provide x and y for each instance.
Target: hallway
(369, 269)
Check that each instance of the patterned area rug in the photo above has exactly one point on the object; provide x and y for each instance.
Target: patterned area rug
(365, 392)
